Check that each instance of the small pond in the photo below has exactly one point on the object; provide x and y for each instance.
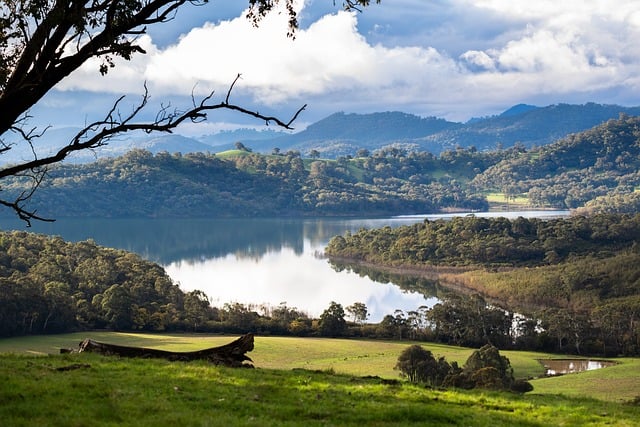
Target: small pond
(569, 366)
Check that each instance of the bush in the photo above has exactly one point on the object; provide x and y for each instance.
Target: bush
(420, 366)
(488, 378)
(485, 368)
(488, 356)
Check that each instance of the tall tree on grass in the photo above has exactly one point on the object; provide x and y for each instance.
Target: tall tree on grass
(358, 312)
(44, 41)
(332, 323)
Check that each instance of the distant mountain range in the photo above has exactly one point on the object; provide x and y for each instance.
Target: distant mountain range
(343, 134)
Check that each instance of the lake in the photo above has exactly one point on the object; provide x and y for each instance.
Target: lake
(255, 261)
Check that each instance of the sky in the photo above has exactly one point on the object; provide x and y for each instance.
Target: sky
(455, 59)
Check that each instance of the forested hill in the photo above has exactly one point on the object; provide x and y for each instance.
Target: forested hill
(596, 170)
(244, 184)
(579, 276)
(529, 126)
(603, 161)
(49, 285)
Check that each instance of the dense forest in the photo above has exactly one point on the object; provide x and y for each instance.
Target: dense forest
(595, 164)
(593, 171)
(48, 285)
(245, 184)
(490, 242)
(580, 277)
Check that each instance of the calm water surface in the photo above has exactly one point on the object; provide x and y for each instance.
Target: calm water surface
(555, 367)
(255, 261)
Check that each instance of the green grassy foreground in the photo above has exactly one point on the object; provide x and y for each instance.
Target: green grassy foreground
(297, 382)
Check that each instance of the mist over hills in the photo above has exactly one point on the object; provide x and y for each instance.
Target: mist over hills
(343, 134)
(530, 126)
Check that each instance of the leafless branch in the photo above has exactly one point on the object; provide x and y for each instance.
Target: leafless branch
(4, 147)
(18, 204)
(231, 87)
(98, 133)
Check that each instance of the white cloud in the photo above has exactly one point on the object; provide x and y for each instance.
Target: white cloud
(479, 59)
(563, 49)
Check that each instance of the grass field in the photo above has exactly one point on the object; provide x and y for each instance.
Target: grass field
(353, 357)
(298, 381)
(501, 198)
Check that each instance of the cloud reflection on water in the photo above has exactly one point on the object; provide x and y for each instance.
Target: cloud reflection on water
(301, 280)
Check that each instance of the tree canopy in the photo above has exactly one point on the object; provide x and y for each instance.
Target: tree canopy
(246, 184)
(44, 41)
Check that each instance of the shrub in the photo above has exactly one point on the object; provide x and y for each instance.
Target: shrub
(420, 366)
(488, 356)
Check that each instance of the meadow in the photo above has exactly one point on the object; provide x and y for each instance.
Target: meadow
(297, 381)
(501, 199)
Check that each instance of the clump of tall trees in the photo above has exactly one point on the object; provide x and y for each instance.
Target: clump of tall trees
(486, 368)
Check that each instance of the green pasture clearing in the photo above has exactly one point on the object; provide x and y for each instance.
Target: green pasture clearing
(616, 383)
(297, 381)
(502, 199)
(230, 154)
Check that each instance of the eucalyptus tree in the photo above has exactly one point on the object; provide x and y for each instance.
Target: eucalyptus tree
(358, 312)
(332, 322)
(42, 42)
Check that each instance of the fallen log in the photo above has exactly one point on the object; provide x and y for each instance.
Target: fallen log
(232, 354)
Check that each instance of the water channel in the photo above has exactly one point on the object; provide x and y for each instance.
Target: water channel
(255, 261)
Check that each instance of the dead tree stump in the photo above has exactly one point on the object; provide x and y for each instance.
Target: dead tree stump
(232, 354)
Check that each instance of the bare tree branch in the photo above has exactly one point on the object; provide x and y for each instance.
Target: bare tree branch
(98, 134)
(18, 205)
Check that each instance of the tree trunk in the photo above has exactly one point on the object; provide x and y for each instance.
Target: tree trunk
(232, 354)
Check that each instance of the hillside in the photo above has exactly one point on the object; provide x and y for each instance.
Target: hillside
(243, 184)
(597, 170)
(50, 286)
(527, 125)
(344, 134)
(578, 276)
(602, 161)
(105, 391)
